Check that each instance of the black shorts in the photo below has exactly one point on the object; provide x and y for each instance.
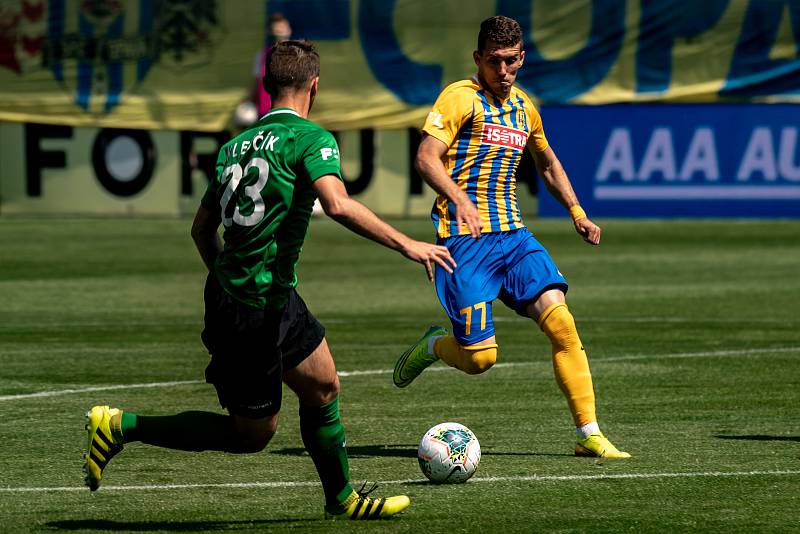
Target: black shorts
(252, 348)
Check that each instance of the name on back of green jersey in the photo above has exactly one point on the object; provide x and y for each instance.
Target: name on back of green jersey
(259, 142)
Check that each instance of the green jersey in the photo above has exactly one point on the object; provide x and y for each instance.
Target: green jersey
(264, 195)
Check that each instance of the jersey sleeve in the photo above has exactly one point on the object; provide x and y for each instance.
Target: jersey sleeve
(449, 113)
(319, 155)
(536, 139)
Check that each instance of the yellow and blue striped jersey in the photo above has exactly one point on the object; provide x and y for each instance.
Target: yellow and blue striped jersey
(485, 138)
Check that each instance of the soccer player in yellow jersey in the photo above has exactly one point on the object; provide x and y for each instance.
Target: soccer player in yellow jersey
(473, 141)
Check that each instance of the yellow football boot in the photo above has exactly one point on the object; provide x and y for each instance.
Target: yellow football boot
(359, 506)
(105, 440)
(416, 359)
(598, 446)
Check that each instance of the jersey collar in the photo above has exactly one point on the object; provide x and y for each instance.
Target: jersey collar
(279, 111)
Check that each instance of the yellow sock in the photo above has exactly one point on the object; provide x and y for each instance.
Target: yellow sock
(473, 359)
(570, 363)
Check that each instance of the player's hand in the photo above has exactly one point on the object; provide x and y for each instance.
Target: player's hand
(427, 254)
(588, 230)
(467, 214)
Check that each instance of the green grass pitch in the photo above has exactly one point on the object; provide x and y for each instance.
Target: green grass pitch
(692, 329)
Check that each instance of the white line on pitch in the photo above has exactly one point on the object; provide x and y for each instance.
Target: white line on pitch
(98, 388)
(529, 478)
(631, 357)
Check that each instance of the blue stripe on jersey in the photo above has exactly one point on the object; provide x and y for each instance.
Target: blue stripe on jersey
(515, 109)
(510, 182)
(494, 176)
(475, 171)
(464, 136)
(435, 217)
(513, 114)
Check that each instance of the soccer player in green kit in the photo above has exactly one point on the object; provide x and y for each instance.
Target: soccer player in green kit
(257, 328)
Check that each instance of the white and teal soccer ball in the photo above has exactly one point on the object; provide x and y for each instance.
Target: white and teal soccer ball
(449, 453)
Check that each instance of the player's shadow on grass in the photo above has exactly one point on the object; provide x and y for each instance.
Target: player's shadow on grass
(760, 437)
(401, 451)
(363, 451)
(503, 453)
(107, 525)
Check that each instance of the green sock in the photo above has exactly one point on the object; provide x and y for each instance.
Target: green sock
(323, 437)
(187, 431)
(129, 426)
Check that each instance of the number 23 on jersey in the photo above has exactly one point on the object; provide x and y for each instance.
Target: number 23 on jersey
(232, 174)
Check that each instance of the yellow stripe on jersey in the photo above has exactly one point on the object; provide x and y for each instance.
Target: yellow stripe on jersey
(485, 138)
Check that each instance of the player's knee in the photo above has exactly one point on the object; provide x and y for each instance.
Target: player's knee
(253, 435)
(320, 391)
(558, 323)
(328, 390)
(480, 359)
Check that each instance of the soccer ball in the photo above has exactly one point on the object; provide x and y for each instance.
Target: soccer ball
(449, 453)
(246, 114)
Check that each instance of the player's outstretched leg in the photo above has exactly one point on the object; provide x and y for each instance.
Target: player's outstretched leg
(359, 505)
(105, 441)
(571, 367)
(417, 358)
(597, 446)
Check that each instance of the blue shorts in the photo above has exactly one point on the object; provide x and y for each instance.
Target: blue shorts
(512, 265)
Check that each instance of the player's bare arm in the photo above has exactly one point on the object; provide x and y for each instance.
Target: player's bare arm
(205, 236)
(555, 179)
(357, 217)
(429, 165)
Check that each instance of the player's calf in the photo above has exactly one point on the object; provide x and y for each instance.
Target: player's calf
(472, 359)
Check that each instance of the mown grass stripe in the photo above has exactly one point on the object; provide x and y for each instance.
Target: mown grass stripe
(631, 357)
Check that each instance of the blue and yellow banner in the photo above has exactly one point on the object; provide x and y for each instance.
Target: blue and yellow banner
(187, 64)
(679, 160)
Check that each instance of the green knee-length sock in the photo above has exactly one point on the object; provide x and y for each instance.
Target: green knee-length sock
(187, 431)
(323, 437)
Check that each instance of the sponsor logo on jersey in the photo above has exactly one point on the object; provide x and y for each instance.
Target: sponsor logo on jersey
(436, 119)
(497, 135)
(328, 153)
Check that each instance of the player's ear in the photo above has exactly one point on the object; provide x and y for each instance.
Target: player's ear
(476, 56)
(521, 58)
(313, 87)
(313, 92)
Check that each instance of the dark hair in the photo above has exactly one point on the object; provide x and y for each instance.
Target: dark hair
(277, 17)
(504, 31)
(290, 65)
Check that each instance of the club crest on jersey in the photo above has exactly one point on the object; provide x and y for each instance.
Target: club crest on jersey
(98, 49)
(504, 136)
